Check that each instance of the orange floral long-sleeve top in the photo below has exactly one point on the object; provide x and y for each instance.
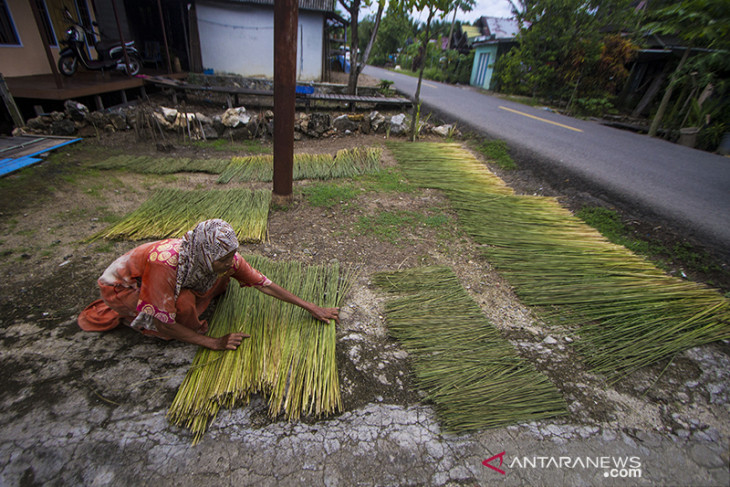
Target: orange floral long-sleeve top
(152, 268)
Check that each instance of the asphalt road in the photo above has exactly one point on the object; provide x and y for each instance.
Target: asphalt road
(686, 187)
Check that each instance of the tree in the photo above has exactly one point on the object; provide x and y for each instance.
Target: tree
(703, 24)
(433, 7)
(463, 5)
(397, 29)
(356, 64)
(560, 43)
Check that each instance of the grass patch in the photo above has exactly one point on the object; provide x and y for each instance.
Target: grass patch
(524, 100)
(387, 226)
(496, 151)
(609, 223)
(391, 226)
(327, 195)
(389, 180)
(611, 226)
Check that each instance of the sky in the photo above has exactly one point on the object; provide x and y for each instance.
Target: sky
(488, 8)
(484, 8)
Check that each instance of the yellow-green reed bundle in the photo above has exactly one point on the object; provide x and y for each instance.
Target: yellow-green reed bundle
(356, 162)
(172, 212)
(347, 163)
(631, 314)
(162, 165)
(210, 166)
(449, 167)
(313, 166)
(474, 376)
(290, 357)
(261, 168)
(249, 168)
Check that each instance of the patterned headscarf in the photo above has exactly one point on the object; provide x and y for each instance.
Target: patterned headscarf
(200, 247)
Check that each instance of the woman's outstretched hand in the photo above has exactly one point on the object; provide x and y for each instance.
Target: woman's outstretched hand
(326, 314)
(319, 313)
(230, 341)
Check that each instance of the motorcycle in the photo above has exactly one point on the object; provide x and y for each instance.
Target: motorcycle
(109, 56)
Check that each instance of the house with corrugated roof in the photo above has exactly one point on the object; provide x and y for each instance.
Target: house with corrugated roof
(497, 36)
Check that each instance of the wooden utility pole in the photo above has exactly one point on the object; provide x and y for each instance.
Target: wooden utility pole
(286, 18)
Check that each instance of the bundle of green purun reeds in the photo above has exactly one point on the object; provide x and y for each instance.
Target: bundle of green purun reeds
(172, 212)
(473, 375)
(346, 163)
(290, 357)
(162, 165)
(629, 313)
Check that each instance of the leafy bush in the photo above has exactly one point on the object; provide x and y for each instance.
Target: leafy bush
(434, 73)
(592, 106)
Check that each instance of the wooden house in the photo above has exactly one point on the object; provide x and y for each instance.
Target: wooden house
(497, 37)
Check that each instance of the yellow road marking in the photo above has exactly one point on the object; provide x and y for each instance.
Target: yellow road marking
(430, 85)
(540, 119)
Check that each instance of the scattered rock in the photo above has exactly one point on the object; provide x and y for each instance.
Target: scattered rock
(398, 124)
(344, 123)
(118, 119)
(236, 123)
(318, 124)
(63, 127)
(235, 117)
(97, 119)
(170, 114)
(443, 130)
(377, 121)
(76, 111)
(161, 120)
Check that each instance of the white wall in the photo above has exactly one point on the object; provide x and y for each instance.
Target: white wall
(240, 39)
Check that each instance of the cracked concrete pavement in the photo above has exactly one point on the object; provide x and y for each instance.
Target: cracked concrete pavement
(89, 409)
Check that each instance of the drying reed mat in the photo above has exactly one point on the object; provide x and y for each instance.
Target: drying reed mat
(474, 377)
(172, 212)
(290, 357)
(162, 165)
(628, 313)
(346, 163)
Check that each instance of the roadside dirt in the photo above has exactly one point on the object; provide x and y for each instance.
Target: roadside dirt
(48, 273)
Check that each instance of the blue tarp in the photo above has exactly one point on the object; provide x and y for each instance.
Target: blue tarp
(11, 163)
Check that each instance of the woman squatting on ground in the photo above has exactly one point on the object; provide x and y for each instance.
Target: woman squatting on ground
(161, 288)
